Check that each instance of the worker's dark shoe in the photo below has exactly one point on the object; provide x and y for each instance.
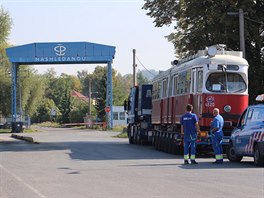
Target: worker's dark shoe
(186, 162)
(194, 162)
(218, 162)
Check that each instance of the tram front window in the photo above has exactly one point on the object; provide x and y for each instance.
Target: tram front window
(225, 82)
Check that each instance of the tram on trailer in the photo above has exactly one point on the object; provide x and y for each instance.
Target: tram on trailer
(212, 78)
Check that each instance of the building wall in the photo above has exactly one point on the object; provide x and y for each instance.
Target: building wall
(119, 116)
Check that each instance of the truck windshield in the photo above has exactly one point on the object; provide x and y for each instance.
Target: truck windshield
(225, 82)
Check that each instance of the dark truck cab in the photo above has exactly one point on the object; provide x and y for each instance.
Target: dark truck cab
(139, 108)
(247, 139)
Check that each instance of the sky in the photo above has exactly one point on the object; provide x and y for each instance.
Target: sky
(119, 23)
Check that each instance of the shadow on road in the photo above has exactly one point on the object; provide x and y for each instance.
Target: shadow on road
(115, 150)
(85, 150)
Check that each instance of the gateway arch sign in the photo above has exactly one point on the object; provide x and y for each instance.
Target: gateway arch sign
(61, 53)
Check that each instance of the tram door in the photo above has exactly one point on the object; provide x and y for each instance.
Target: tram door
(196, 90)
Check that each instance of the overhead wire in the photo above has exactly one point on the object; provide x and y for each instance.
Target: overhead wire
(144, 66)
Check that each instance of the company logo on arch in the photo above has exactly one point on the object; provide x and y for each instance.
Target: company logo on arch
(60, 50)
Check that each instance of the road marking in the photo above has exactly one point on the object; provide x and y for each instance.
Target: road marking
(23, 182)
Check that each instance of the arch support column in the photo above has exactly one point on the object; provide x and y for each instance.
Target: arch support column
(14, 91)
(109, 96)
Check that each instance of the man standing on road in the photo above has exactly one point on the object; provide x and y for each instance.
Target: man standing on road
(217, 136)
(189, 129)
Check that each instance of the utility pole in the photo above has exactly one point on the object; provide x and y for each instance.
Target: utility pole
(241, 14)
(134, 68)
(242, 32)
(90, 94)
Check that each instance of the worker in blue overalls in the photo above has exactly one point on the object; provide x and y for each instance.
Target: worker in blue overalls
(217, 136)
(189, 129)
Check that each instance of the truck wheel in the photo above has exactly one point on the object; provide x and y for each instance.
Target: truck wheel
(231, 154)
(131, 141)
(258, 159)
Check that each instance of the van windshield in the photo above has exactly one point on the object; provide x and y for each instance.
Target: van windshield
(225, 82)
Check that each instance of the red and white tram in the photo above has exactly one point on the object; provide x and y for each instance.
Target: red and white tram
(213, 78)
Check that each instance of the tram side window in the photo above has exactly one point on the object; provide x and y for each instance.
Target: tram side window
(182, 79)
(175, 85)
(188, 82)
(184, 83)
(200, 81)
(156, 90)
(164, 88)
(171, 84)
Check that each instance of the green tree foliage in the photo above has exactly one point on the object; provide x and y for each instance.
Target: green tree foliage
(59, 90)
(83, 76)
(141, 79)
(5, 25)
(5, 81)
(43, 112)
(200, 23)
(31, 87)
(99, 79)
(120, 89)
(79, 110)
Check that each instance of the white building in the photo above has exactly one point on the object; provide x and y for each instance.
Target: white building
(119, 116)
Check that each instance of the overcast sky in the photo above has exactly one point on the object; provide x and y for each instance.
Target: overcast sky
(119, 23)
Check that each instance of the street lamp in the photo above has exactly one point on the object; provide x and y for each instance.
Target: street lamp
(241, 14)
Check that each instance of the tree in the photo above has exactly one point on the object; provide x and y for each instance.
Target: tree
(99, 79)
(5, 25)
(200, 23)
(79, 110)
(43, 112)
(5, 80)
(32, 87)
(83, 76)
(98, 87)
(59, 90)
(141, 79)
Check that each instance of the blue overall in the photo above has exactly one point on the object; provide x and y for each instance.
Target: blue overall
(188, 121)
(217, 136)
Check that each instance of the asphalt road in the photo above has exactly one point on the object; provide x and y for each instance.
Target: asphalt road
(72, 163)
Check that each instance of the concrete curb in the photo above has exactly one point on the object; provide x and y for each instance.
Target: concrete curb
(26, 138)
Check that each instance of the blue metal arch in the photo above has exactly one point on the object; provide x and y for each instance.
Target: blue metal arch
(61, 53)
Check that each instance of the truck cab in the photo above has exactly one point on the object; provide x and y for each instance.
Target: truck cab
(247, 139)
(139, 108)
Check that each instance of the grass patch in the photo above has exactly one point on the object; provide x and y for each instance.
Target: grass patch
(30, 130)
(48, 124)
(122, 135)
(5, 130)
(119, 128)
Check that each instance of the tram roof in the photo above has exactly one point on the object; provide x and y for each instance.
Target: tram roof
(202, 60)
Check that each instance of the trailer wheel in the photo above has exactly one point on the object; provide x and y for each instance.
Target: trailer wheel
(258, 159)
(231, 154)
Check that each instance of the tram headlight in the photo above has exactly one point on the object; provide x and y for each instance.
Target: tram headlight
(227, 108)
